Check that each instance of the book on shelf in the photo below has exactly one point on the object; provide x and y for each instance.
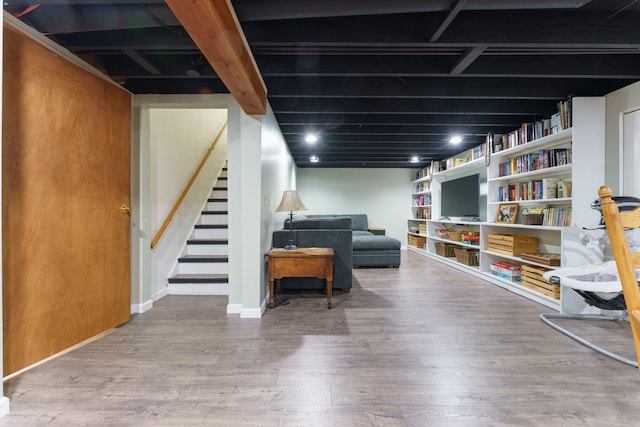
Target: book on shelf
(535, 161)
(549, 188)
(557, 217)
(423, 213)
(530, 131)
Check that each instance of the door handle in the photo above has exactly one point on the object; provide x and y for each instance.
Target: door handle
(126, 209)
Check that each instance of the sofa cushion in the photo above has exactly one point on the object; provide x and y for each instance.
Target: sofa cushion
(363, 243)
(323, 223)
(359, 222)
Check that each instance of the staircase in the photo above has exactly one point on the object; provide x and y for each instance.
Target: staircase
(204, 268)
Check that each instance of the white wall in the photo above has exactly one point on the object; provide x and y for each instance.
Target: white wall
(618, 102)
(383, 194)
(278, 175)
(180, 137)
(260, 169)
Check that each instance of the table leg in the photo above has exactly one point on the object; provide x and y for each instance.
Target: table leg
(271, 300)
(329, 292)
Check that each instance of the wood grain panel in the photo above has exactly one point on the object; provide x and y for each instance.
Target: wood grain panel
(66, 163)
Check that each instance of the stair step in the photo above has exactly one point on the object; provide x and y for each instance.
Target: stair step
(207, 242)
(199, 284)
(203, 264)
(222, 178)
(220, 188)
(217, 206)
(202, 258)
(199, 278)
(210, 232)
(214, 200)
(214, 217)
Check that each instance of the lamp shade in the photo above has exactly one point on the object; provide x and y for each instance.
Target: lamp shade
(290, 202)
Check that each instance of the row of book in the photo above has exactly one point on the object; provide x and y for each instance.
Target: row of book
(539, 189)
(422, 200)
(531, 131)
(557, 217)
(426, 171)
(423, 186)
(535, 161)
(423, 213)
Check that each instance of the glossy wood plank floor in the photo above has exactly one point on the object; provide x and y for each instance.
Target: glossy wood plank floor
(422, 345)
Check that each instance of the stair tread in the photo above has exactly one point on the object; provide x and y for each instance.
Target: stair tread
(212, 226)
(215, 212)
(203, 258)
(217, 200)
(199, 278)
(220, 188)
(208, 242)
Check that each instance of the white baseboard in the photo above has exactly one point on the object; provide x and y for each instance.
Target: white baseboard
(141, 308)
(198, 289)
(4, 406)
(234, 308)
(159, 295)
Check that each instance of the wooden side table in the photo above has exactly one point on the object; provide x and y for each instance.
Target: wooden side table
(301, 262)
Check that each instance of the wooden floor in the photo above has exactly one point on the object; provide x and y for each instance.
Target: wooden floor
(422, 345)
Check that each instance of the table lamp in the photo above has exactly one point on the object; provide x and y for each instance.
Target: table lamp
(290, 202)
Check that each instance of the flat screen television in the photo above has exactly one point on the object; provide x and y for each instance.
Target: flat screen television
(460, 197)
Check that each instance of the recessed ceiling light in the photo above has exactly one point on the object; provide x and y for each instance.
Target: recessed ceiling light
(314, 159)
(311, 138)
(415, 159)
(456, 139)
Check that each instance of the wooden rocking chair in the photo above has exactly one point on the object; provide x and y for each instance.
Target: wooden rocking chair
(626, 261)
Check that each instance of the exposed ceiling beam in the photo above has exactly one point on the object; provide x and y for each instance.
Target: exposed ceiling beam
(213, 26)
(142, 61)
(467, 59)
(448, 20)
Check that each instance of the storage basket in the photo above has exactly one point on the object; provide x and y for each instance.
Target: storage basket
(455, 235)
(445, 249)
(532, 218)
(467, 256)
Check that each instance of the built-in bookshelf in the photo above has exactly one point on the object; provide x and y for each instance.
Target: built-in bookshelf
(537, 194)
(421, 207)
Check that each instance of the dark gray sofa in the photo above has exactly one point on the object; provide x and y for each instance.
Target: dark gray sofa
(320, 232)
(348, 234)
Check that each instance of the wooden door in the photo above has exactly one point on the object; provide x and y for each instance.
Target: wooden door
(65, 166)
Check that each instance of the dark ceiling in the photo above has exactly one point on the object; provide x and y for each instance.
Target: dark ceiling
(379, 81)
